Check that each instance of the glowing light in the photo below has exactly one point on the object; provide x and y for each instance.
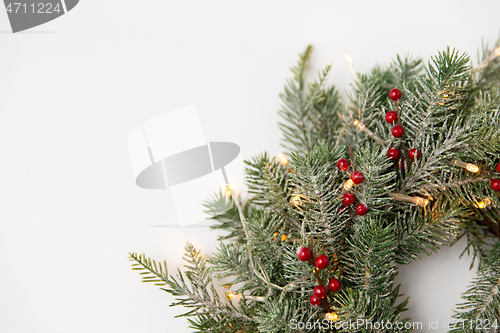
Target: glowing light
(296, 200)
(467, 166)
(483, 204)
(228, 190)
(283, 160)
(234, 295)
(472, 168)
(350, 64)
(283, 237)
(497, 51)
(348, 59)
(416, 200)
(331, 316)
(359, 125)
(348, 184)
(422, 202)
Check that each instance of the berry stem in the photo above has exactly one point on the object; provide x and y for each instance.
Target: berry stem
(405, 155)
(324, 301)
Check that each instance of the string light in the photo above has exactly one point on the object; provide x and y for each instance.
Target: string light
(296, 200)
(283, 237)
(483, 204)
(228, 190)
(283, 160)
(197, 255)
(350, 64)
(233, 295)
(348, 184)
(332, 316)
(416, 200)
(488, 60)
(359, 125)
(467, 166)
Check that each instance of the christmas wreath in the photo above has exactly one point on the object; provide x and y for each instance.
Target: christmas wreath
(410, 163)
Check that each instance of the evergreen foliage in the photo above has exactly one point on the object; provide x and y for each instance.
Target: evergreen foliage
(449, 111)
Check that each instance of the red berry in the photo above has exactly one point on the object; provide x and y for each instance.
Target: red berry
(361, 209)
(414, 154)
(391, 117)
(343, 164)
(304, 253)
(357, 177)
(395, 94)
(320, 291)
(397, 131)
(393, 154)
(322, 261)
(495, 184)
(315, 300)
(349, 199)
(342, 210)
(498, 167)
(334, 285)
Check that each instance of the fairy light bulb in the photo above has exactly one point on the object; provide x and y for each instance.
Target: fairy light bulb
(467, 166)
(296, 200)
(283, 237)
(359, 125)
(416, 200)
(422, 202)
(228, 190)
(197, 255)
(234, 295)
(348, 184)
(283, 160)
(362, 127)
(348, 59)
(483, 204)
(497, 51)
(350, 64)
(332, 316)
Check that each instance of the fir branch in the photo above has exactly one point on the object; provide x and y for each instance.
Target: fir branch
(200, 295)
(482, 299)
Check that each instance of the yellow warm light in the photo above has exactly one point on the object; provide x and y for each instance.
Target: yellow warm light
(484, 203)
(331, 316)
(359, 125)
(228, 190)
(348, 184)
(348, 59)
(283, 160)
(467, 166)
(283, 237)
(296, 200)
(416, 200)
(497, 51)
(422, 202)
(472, 168)
(234, 295)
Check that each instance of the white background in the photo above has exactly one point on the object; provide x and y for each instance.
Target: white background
(72, 90)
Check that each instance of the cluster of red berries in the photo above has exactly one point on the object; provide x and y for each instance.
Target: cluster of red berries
(495, 183)
(397, 131)
(357, 178)
(321, 262)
